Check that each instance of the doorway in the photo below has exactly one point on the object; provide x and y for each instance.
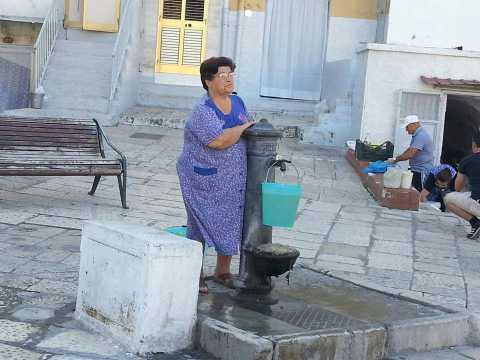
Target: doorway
(462, 118)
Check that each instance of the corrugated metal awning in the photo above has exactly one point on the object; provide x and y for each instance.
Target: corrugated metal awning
(451, 83)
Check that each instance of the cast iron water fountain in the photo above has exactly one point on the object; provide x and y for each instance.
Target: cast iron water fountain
(259, 258)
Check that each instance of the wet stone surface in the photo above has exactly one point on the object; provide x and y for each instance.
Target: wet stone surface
(312, 302)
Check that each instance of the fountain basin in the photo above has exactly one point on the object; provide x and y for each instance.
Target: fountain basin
(274, 259)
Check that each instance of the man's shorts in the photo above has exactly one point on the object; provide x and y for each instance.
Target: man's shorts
(464, 201)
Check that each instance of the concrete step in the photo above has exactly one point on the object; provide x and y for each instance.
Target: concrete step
(453, 353)
(103, 119)
(143, 115)
(90, 36)
(83, 47)
(84, 62)
(169, 96)
(80, 89)
(76, 74)
(84, 103)
(172, 90)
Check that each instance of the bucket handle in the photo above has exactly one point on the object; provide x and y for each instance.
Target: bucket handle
(280, 161)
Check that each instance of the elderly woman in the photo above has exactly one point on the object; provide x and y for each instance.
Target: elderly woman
(212, 167)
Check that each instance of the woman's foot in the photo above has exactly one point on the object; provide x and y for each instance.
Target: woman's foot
(202, 286)
(225, 279)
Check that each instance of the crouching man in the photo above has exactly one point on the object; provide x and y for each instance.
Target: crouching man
(465, 204)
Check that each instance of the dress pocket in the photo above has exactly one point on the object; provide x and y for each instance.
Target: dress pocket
(205, 171)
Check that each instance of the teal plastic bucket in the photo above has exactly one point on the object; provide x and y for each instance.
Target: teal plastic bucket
(177, 230)
(280, 203)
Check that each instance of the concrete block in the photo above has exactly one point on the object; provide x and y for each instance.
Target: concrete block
(321, 346)
(227, 342)
(428, 333)
(139, 285)
(368, 344)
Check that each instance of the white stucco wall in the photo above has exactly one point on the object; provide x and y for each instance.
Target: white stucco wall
(434, 23)
(24, 8)
(344, 36)
(128, 83)
(390, 69)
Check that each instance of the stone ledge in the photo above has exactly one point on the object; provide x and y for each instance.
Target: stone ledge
(228, 342)
(428, 334)
(401, 199)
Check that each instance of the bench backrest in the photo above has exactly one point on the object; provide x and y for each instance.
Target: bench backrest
(48, 135)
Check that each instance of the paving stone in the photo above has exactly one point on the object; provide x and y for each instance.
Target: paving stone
(438, 236)
(432, 355)
(24, 251)
(434, 268)
(392, 247)
(326, 266)
(56, 221)
(471, 264)
(441, 246)
(439, 284)
(13, 331)
(15, 217)
(33, 313)
(10, 263)
(72, 260)
(8, 352)
(48, 270)
(392, 233)
(310, 227)
(339, 259)
(54, 301)
(53, 255)
(359, 252)
(398, 223)
(17, 281)
(297, 235)
(390, 274)
(79, 342)
(343, 234)
(55, 287)
(473, 353)
(390, 261)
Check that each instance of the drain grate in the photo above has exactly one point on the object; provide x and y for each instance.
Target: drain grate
(312, 317)
(146, 136)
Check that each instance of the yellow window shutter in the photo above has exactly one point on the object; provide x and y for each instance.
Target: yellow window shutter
(182, 31)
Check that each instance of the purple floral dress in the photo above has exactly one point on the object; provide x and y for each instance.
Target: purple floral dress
(213, 181)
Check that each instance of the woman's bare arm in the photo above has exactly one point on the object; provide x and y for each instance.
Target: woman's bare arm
(229, 137)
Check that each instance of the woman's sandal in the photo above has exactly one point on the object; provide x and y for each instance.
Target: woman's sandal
(225, 280)
(202, 287)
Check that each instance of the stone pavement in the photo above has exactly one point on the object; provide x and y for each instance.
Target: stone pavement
(340, 231)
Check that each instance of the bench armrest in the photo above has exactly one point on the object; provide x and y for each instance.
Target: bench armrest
(103, 137)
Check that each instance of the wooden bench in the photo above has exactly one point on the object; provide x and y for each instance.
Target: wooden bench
(59, 147)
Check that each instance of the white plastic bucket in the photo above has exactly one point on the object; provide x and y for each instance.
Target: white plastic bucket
(393, 178)
(407, 177)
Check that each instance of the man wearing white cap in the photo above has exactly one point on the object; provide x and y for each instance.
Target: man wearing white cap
(420, 152)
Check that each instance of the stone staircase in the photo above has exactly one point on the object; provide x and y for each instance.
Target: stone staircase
(78, 77)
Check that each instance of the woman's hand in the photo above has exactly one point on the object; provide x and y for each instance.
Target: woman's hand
(230, 136)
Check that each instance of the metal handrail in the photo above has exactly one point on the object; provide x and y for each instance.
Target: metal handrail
(43, 47)
(121, 46)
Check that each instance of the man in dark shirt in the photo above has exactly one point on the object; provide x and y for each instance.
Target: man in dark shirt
(465, 204)
(440, 181)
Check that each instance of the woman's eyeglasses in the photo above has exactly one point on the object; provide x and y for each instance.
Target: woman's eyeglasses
(225, 76)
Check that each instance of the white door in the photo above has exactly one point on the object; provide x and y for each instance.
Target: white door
(294, 49)
(430, 108)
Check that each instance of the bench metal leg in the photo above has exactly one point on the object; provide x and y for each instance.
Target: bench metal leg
(95, 184)
(122, 186)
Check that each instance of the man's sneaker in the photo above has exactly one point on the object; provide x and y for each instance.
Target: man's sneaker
(475, 232)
